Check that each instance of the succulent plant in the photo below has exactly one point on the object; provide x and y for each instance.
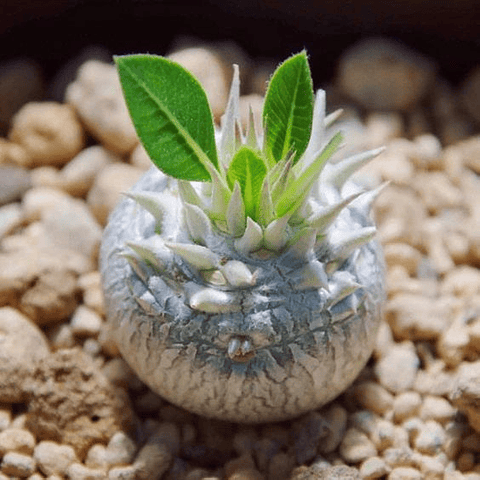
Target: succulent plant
(241, 277)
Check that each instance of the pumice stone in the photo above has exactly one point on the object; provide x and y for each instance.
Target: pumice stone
(252, 290)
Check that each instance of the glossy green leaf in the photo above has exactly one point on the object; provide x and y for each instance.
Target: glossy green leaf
(249, 170)
(171, 115)
(297, 191)
(288, 109)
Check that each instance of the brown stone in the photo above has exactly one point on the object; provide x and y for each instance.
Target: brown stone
(74, 404)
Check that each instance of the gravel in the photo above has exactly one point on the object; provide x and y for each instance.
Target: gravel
(72, 408)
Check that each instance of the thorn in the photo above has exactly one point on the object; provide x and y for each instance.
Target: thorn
(199, 257)
(251, 239)
(275, 235)
(238, 274)
(311, 275)
(235, 215)
(198, 223)
(211, 300)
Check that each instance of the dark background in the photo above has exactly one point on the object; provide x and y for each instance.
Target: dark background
(52, 31)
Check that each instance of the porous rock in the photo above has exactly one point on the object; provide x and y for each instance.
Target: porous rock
(97, 97)
(22, 346)
(73, 403)
(338, 472)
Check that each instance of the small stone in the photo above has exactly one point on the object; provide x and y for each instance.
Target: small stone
(77, 471)
(16, 440)
(380, 431)
(17, 465)
(399, 457)
(465, 393)
(90, 284)
(431, 467)
(14, 182)
(120, 450)
(437, 408)
(428, 151)
(96, 456)
(52, 299)
(453, 343)
(50, 132)
(11, 217)
(153, 460)
(61, 336)
(308, 433)
(5, 418)
(140, 159)
(97, 98)
(53, 458)
(71, 226)
(281, 466)
(463, 281)
(337, 472)
(430, 438)
(382, 127)
(109, 184)
(356, 446)
(384, 74)
(374, 467)
(119, 373)
(402, 254)
(41, 199)
(73, 403)
(13, 154)
(77, 177)
(466, 461)
(23, 346)
(374, 397)
(46, 176)
(417, 317)
(405, 473)
(406, 405)
(85, 322)
(398, 369)
(123, 473)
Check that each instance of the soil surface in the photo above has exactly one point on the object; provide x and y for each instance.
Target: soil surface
(70, 407)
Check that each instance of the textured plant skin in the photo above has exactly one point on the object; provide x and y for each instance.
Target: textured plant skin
(255, 297)
(304, 353)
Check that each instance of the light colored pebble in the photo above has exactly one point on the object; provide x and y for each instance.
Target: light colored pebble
(374, 397)
(402, 254)
(374, 467)
(406, 405)
(437, 408)
(382, 127)
(61, 336)
(356, 446)
(455, 434)
(398, 369)
(50, 132)
(412, 426)
(463, 281)
(40, 199)
(91, 347)
(35, 476)
(90, 284)
(97, 97)
(417, 317)
(20, 421)
(453, 475)
(119, 373)
(12, 153)
(70, 225)
(53, 458)
(399, 457)
(120, 450)
(430, 438)
(11, 216)
(405, 473)
(96, 456)
(46, 176)
(77, 177)
(427, 152)
(5, 418)
(77, 471)
(16, 440)
(123, 473)
(85, 322)
(379, 430)
(109, 184)
(17, 464)
(401, 438)
(432, 468)
(152, 461)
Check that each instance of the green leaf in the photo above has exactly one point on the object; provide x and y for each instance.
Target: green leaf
(296, 192)
(249, 170)
(171, 115)
(288, 109)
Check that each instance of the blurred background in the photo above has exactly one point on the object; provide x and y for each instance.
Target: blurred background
(53, 31)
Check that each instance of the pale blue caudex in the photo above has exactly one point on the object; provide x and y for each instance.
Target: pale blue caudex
(241, 277)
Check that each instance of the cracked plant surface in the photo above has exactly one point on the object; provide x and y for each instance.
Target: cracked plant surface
(241, 277)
